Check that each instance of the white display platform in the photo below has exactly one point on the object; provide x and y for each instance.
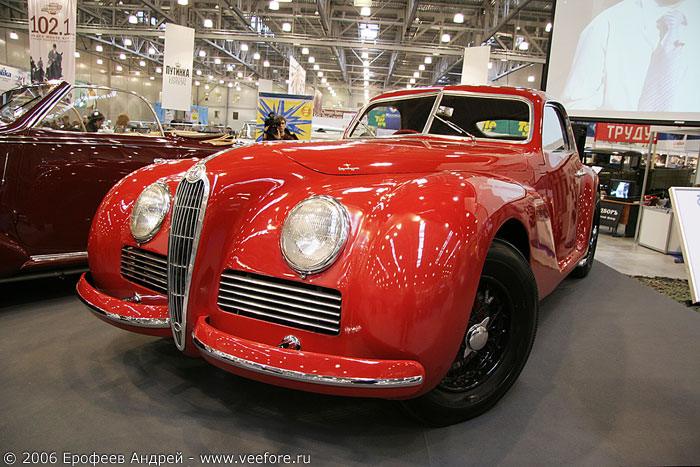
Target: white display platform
(686, 205)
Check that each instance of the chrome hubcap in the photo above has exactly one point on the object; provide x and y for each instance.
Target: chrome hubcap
(476, 337)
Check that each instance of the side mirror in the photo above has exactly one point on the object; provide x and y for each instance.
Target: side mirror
(444, 111)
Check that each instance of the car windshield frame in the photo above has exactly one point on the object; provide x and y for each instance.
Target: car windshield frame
(440, 95)
(24, 99)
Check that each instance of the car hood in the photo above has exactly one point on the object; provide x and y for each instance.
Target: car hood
(401, 155)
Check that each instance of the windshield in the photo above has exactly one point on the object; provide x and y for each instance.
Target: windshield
(17, 102)
(459, 114)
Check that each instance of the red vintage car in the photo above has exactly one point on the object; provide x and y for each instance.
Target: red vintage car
(405, 261)
(56, 165)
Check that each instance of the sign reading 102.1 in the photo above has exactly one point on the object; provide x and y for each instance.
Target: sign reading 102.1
(49, 25)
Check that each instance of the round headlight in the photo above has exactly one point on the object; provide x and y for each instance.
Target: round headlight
(149, 210)
(314, 233)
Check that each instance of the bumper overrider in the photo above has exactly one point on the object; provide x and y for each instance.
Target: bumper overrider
(310, 371)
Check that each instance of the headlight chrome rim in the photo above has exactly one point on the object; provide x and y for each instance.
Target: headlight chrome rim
(156, 228)
(340, 244)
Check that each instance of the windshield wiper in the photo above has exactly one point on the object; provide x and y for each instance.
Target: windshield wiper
(456, 127)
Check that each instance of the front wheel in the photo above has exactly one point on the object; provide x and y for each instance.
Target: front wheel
(496, 345)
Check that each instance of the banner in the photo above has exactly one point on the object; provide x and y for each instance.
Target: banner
(177, 67)
(297, 78)
(52, 40)
(475, 66)
(622, 133)
(11, 77)
(297, 110)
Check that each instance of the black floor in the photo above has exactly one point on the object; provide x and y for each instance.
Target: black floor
(613, 379)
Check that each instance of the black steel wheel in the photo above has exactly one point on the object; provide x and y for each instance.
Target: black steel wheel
(585, 265)
(496, 345)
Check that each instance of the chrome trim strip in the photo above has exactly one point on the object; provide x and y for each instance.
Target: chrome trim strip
(152, 323)
(59, 256)
(4, 170)
(324, 380)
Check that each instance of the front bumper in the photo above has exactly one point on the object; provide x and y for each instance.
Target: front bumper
(298, 369)
(144, 319)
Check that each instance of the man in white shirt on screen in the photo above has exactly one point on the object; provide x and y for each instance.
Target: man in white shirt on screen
(638, 55)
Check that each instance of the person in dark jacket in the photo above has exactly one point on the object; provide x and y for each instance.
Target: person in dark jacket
(95, 121)
(278, 130)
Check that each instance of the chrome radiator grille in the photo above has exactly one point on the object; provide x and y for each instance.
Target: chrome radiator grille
(145, 268)
(185, 224)
(280, 301)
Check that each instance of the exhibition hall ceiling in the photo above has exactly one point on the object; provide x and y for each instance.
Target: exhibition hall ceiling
(347, 44)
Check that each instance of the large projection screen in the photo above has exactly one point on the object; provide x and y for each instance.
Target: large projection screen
(627, 60)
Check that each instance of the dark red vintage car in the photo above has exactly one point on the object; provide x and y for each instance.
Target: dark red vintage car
(405, 261)
(56, 165)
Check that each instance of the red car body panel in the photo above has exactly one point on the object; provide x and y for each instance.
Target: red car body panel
(54, 180)
(423, 212)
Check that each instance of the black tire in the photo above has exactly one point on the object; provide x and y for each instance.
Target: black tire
(585, 265)
(507, 294)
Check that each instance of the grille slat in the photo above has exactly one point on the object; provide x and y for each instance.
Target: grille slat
(190, 202)
(280, 286)
(297, 323)
(307, 305)
(145, 268)
(281, 301)
(278, 310)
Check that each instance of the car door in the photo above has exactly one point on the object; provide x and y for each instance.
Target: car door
(562, 175)
(66, 170)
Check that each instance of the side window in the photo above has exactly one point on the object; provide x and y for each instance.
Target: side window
(554, 138)
(62, 117)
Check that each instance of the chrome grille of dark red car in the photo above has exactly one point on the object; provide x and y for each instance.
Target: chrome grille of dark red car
(145, 268)
(281, 301)
(185, 225)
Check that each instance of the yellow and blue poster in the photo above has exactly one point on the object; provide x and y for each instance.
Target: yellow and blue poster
(296, 109)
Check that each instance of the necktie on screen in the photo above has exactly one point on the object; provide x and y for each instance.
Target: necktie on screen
(667, 65)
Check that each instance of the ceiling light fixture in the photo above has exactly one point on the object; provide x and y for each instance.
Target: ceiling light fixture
(365, 55)
(77, 54)
(428, 60)
(198, 72)
(99, 61)
(312, 59)
(122, 56)
(266, 63)
(445, 37)
(256, 56)
(197, 83)
(208, 23)
(421, 67)
(531, 79)
(244, 47)
(142, 63)
(524, 45)
(412, 80)
(286, 27)
(202, 53)
(305, 51)
(217, 61)
(151, 51)
(159, 69)
(365, 11)
(99, 48)
(127, 42)
(548, 28)
(13, 36)
(416, 74)
(133, 19)
(182, 2)
(119, 68)
(459, 18)
(274, 5)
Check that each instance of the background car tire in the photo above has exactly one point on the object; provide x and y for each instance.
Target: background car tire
(582, 271)
(507, 294)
